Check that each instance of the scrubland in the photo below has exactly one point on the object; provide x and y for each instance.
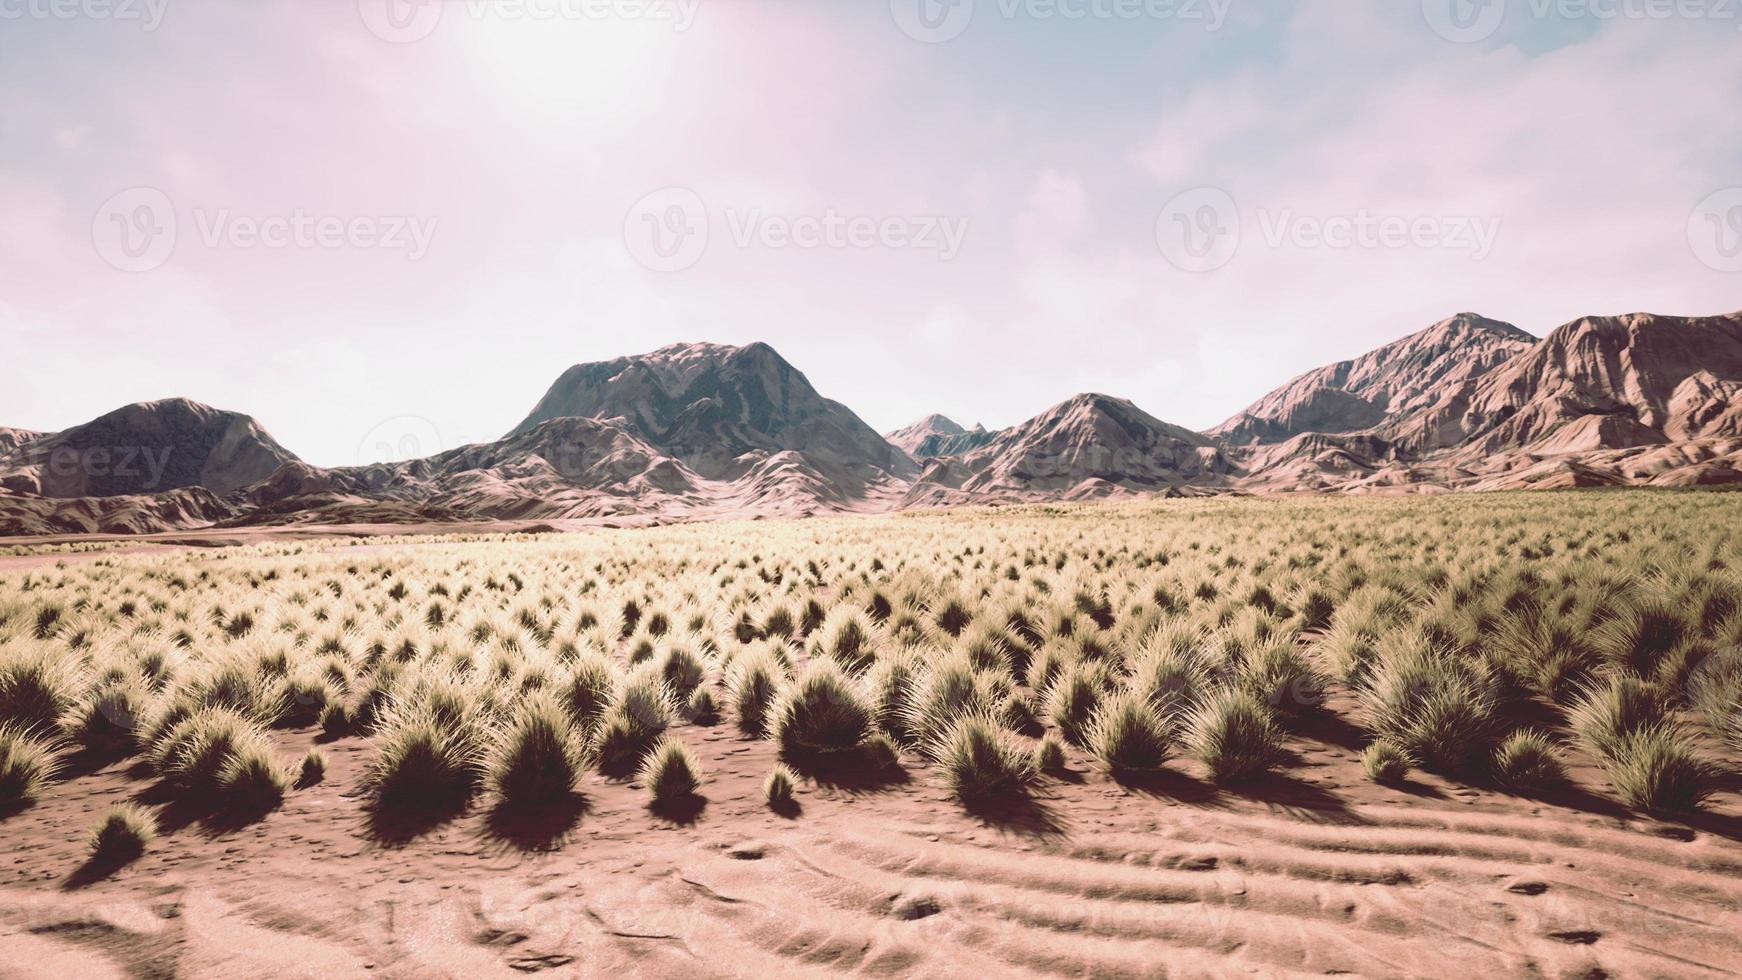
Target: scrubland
(1199, 722)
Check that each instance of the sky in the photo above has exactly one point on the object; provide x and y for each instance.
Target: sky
(393, 223)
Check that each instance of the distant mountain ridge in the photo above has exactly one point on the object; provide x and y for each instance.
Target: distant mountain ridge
(146, 448)
(11, 439)
(1395, 379)
(1088, 446)
(700, 431)
(938, 435)
(711, 405)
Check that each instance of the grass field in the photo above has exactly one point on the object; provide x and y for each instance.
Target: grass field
(1059, 678)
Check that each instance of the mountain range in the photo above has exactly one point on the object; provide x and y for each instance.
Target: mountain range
(702, 431)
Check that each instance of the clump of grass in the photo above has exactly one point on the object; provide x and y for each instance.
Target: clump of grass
(880, 753)
(337, 719)
(1656, 769)
(1551, 653)
(1047, 665)
(1528, 761)
(536, 758)
(1609, 714)
(123, 834)
(948, 690)
(778, 621)
(109, 717)
(753, 684)
(681, 669)
(314, 769)
(820, 713)
(423, 761)
(1278, 677)
(1385, 762)
(953, 615)
(1049, 754)
(1715, 691)
(1072, 700)
(890, 686)
(671, 772)
(988, 646)
(37, 685)
(979, 761)
(253, 777)
(846, 636)
(1441, 712)
(1314, 606)
(235, 682)
(1351, 651)
(589, 690)
(1641, 635)
(779, 787)
(1233, 736)
(701, 707)
(1128, 736)
(195, 754)
(28, 764)
(1174, 681)
(306, 695)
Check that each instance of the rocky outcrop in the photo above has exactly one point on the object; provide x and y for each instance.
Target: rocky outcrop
(1597, 383)
(937, 435)
(1091, 445)
(1359, 394)
(12, 439)
(147, 448)
(723, 411)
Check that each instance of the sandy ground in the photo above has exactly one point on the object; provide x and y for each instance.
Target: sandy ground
(1317, 872)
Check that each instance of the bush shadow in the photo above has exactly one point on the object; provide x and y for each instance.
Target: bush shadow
(88, 761)
(682, 810)
(534, 829)
(1025, 814)
(99, 867)
(395, 825)
(849, 772)
(1168, 784)
(1329, 728)
(1298, 798)
(180, 807)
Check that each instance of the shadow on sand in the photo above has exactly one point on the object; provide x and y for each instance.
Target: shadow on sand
(1025, 814)
(534, 829)
(848, 772)
(682, 811)
(180, 807)
(99, 867)
(394, 825)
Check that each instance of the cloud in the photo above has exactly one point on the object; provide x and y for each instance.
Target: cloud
(530, 142)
